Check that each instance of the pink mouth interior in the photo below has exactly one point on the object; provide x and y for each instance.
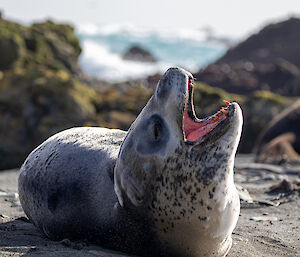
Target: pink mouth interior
(195, 130)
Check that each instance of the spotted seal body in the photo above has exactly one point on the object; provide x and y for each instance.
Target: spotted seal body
(164, 188)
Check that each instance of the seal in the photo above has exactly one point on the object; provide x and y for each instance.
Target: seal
(164, 188)
(279, 141)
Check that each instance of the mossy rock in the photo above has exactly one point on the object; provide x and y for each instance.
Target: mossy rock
(54, 46)
(39, 94)
(11, 44)
(35, 104)
(11, 53)
(64, 32)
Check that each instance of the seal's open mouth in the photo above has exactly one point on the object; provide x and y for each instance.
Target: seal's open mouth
(194, 129)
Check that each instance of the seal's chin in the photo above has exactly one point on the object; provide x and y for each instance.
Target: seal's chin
(198, 130)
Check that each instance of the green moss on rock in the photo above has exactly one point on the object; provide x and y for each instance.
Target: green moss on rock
(47, 44)
(35, 104)
(269, 97)
(11, 44)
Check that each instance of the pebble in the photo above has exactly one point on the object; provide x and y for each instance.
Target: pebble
(16, 204)
(2, 216)
(262, 218)
(11, 197)
(244, 194)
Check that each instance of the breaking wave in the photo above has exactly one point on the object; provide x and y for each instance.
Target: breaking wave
(103, 47)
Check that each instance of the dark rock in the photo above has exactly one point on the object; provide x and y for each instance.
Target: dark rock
(273, 42)
(139, 54)
(281, 77)
(267, 60)
(284, 186)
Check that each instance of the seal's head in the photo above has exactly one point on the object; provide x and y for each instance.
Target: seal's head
(179, 169)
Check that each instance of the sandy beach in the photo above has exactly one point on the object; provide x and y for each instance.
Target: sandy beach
(269, 224)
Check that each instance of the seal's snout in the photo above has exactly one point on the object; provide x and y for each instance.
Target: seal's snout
(174, 82)
(175, 93)
(177, 71)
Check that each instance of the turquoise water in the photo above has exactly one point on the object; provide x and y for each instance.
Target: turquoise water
(103, 49)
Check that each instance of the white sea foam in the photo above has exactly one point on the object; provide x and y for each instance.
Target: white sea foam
(98, 61)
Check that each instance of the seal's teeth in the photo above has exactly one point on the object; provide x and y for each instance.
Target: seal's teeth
(226, 102)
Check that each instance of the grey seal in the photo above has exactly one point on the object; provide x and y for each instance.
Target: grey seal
(164, 188)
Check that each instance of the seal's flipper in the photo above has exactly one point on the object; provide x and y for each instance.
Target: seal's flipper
(133, 188)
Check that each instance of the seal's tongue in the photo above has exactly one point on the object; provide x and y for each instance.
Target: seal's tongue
(194, 128)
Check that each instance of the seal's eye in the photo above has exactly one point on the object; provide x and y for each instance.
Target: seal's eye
(156, 130)
(155, 135)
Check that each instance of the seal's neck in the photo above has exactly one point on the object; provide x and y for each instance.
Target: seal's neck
(189, 197)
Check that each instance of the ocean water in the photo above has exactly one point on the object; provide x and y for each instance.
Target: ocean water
(103, 47)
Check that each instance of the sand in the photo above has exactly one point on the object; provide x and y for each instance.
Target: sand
(263, 229)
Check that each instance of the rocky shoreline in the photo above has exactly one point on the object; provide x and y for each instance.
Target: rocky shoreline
(43, 90)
